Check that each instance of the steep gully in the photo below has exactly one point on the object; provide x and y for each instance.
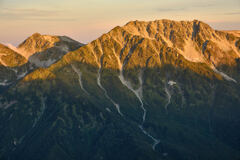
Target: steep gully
(169, 94)
(42, 110)
(19, 76)
(18, 141)
(225, 76)
(214, 68)
(79, 73)
(7, 105)
(138, 93)
(106, 94)
(182, 94)
(103, 89)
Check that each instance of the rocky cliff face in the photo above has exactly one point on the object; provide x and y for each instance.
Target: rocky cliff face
(193, 45)
(36, 51)
(194, 40)
(44, 50)
(12, 65)
(147, 90)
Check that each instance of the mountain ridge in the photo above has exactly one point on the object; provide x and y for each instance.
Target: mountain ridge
(133, 93)
(34, 52)
(41, 49)
(119, 38)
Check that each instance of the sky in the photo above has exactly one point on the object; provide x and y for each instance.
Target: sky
(86, 20)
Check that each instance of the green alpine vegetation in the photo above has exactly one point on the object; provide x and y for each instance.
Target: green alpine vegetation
(147, 90)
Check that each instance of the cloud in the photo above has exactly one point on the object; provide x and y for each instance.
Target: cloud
(186, 7)
(203, 5)
(1, 3)
(171, 9)
(232, 13)
(34, 14)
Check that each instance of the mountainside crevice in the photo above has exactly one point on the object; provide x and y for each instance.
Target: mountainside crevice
(147, 90)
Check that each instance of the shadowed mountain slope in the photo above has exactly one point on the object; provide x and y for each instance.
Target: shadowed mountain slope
(147, 90)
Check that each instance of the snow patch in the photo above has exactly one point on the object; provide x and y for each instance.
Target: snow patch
(172, 83)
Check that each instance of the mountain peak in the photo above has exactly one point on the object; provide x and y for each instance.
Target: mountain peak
(43, 50)
(163, 89)
(137, 43)
(36, 34)
(166, 24)
(190, 38)
(37, 43)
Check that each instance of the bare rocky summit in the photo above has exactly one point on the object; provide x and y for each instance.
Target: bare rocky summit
(44, 50)
(147, 90)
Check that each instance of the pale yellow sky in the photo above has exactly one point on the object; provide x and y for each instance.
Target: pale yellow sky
(87, 20)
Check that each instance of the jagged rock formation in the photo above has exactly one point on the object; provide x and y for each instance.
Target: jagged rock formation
(192, 39)
(147, 90)
(44, 50)
(149, 44)
(36, 51)
(12, 66)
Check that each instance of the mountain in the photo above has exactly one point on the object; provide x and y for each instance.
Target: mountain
(13, 66)
(36, 51)
(10, 58)
(147, 90)
(44, 50)
(236, 32)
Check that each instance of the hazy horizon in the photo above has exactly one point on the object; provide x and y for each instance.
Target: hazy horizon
(84, 21)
